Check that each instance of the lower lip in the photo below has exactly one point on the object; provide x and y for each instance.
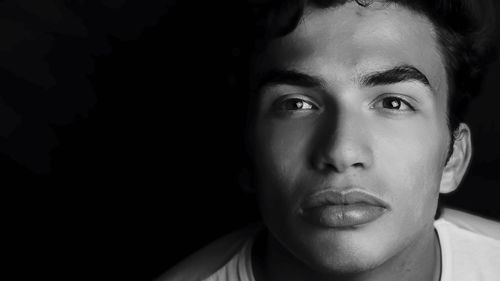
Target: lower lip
(341, 216)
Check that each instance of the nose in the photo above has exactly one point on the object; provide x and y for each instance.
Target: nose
(343, 142)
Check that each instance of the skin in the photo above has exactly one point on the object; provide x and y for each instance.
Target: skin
(389, 140)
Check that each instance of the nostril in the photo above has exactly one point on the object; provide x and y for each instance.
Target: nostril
(338, 153)
(358, 165)
(337, 166)
(324, 166)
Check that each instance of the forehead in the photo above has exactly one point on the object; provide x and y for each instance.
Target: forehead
(353, 40)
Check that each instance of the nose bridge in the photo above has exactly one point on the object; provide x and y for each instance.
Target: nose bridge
(345, 140)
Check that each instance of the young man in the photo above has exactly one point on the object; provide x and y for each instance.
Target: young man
(355, 130)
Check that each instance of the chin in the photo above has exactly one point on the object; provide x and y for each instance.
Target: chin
(340, 252)
(342, 262)
(345, 264)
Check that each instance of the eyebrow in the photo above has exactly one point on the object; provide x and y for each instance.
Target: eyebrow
(401, 73)
(397, 74)
(290, 77)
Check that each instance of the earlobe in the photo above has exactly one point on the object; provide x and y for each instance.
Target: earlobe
(457, 165)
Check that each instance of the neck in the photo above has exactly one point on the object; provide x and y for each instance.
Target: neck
(419, 261)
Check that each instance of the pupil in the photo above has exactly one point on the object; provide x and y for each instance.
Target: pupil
(299, 104)
(393, 103)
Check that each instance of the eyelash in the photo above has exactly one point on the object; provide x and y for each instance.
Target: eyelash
(281, 104)
(402, 102)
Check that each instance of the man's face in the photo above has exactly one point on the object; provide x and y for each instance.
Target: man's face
(353, 102)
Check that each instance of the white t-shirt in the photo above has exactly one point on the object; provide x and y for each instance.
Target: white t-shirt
(470, 247)
(239, 268)
(470, 251)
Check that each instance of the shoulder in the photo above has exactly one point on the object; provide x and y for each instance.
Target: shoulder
(470, 246)
(472, 223)
(209, 259)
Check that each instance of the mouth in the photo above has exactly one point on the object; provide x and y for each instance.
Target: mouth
(342, 209)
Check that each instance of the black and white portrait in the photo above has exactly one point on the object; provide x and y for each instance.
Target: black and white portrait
(251, 140)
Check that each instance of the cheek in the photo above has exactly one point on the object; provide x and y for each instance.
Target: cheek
(282, 167)
(417, 145)
(281, 151)
(413, 161)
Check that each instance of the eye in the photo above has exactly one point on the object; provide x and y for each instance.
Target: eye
(295, 104)
(394, 104)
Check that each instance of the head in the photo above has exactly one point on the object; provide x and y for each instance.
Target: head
(366, 97)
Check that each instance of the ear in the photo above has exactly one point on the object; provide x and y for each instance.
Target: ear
(458, 162)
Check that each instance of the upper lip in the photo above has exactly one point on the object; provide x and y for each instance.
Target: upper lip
(345, 197)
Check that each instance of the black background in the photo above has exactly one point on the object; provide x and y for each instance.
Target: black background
(125, 154)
